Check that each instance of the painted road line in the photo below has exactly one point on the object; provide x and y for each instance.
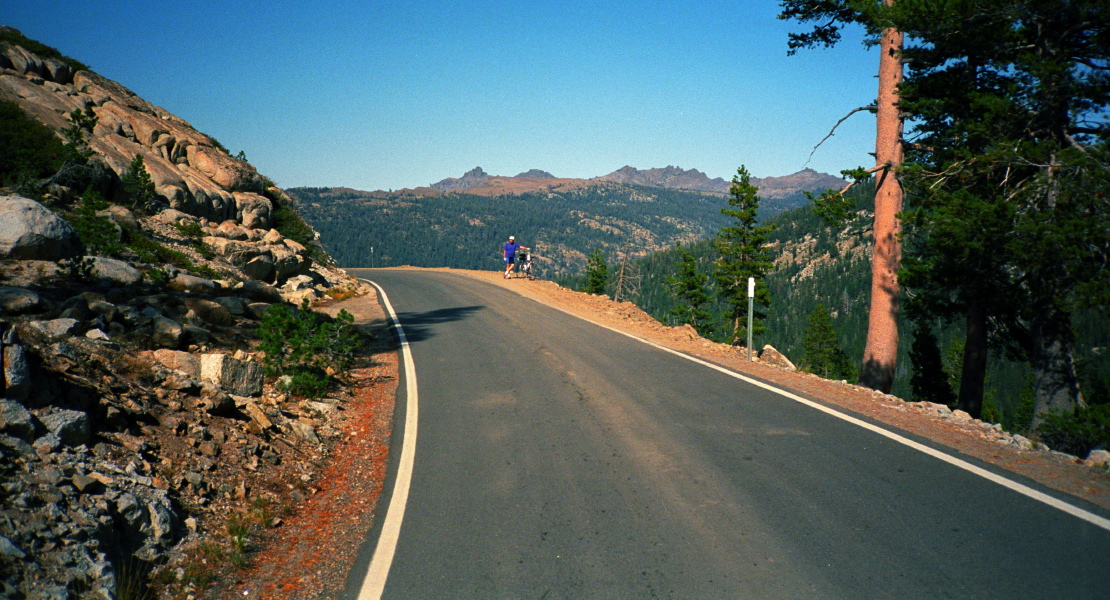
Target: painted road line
(373, 585)
(1020, 488)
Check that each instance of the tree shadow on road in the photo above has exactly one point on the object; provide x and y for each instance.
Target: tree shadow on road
(418, 326)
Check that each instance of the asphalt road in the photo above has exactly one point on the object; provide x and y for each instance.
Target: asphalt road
(557, 459)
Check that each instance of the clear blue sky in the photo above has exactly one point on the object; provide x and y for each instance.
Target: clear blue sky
(384, 95)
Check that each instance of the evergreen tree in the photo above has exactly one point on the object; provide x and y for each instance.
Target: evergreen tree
(1009, 174)
(597, 273)
(929, 381)
(821, 349)
(138, 185)
(689, 290)
(743, 255)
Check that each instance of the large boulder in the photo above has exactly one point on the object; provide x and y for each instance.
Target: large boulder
(116, 271)
(234, 376)
(29, 231)
(17, 300)
(253, 211)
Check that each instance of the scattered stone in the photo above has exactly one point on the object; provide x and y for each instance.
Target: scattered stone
(16, 420)
(185, 362)
(304, 431)
(167, 333)
(86, 484)
(7, 548)
(17, 373)
(256, 413)
(52, 329)
(775, 358)
(116, 271)
(71, 426)
(1099, 458)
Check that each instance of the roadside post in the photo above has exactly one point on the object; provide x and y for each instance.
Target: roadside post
(751, 307)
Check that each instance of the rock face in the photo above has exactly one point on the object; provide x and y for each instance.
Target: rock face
(473, 177)
(189, 169)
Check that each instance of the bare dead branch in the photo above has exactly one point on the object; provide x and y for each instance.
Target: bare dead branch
(833, 130)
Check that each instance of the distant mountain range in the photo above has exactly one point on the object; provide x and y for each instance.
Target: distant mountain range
(478, 182)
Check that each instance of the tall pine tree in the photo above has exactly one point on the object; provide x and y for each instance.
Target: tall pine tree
(743, 255)
(1009, 175)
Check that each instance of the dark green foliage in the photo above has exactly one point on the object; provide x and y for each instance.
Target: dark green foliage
(597, 273)
(12, 36)
(743, 255)
(78, 268)
(821, 353)
(929, 382)
(139, 187)
(689, 288)
(1010, 172)
(292, 225)
(301, 345)
(1079, 432)
(28, 149)
(150, 251)
(100, 235)
(81, 124)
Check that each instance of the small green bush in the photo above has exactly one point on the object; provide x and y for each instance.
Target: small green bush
(79, 268)
(100, 235)
(301, 345)
(1088, 428)
(150, 251)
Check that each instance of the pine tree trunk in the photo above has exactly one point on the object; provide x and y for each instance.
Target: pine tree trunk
(881, 351)
(974, 371)
(1055, 383)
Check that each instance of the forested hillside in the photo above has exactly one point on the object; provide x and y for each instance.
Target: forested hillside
(817, 264)
(466, 231)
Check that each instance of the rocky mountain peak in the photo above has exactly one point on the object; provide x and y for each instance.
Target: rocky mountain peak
(471, 178)
(536, 173)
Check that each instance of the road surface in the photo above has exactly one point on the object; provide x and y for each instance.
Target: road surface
(553, 458)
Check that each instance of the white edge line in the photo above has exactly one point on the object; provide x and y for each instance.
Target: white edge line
(373, 585)
(1020, 488)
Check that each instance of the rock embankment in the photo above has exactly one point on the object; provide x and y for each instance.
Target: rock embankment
(138, 433)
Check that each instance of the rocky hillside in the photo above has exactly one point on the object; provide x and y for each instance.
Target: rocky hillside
(138, 432)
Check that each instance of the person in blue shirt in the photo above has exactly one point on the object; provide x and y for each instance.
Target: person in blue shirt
(509, 252)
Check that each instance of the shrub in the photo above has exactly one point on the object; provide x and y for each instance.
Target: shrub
(78, 268)
(148, 250)
(302, 345)
(289, 223)
(1077, 433)
(100, 235)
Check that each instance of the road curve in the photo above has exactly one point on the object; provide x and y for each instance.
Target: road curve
(556, 459)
